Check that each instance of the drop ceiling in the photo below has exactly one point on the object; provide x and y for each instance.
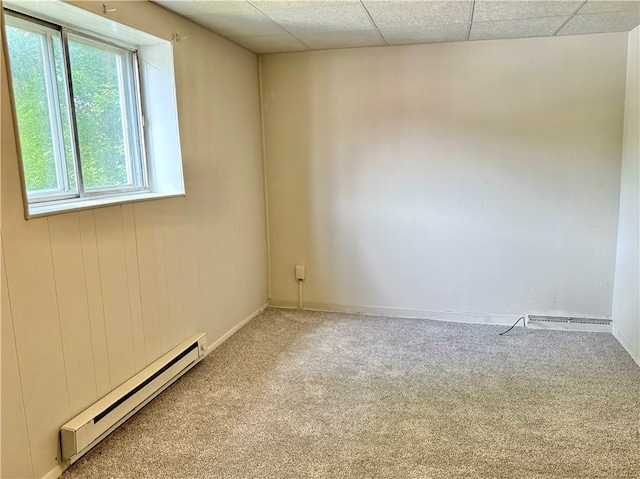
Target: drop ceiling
(271, 26)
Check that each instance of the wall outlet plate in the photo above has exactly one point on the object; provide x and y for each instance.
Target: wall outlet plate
(300, 272)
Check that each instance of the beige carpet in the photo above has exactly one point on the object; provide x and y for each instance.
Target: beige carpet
(319, 395)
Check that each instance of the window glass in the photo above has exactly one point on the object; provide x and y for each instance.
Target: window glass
(98, 75)
(36, 84)
(78, 109)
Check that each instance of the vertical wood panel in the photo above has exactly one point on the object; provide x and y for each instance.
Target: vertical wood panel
(66, 250)
(206, 278)
(189, 267)
(16, 455)
(148, 281)
(250, 228)
(225, 268)
(161, 277)
(133, 278)
(173, 222)
(23, 409)
(94, 298)
(115, 293)
(36, 325)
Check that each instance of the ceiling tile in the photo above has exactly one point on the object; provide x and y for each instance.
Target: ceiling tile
(326, 18)
(194, 7)
(605, 6)
(328, 40)
(271, 44)
(430, 34)
(523, 28)
(227, 18)
(601, 23)
(263, 26)
(245, 24)
(486, 10)
(277, 5)
(404, 14)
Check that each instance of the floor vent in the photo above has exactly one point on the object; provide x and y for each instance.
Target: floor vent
(95, 423)
(570, 322)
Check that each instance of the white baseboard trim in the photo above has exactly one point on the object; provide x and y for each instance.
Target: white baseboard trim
(626, 344)
(233, 330)
(474, 318)
(55, 472)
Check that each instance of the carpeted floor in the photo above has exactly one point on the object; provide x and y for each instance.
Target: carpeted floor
(328, 395)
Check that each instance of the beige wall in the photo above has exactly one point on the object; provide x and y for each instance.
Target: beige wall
(626, 295)
(464, 180)
(90, 298)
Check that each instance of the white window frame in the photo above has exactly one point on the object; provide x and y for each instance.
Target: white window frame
(55, 120)
(163, 173)
(133, 134)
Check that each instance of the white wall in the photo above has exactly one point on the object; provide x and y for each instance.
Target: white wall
(90, 298)
(463, 180)
(626, 294)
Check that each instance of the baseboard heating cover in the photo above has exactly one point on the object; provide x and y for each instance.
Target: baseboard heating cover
(92, 425)
(569, 322)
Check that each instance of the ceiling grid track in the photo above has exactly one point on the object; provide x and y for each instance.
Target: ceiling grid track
(472, 8)
(374, 24)
(281, 26)
(569, 18)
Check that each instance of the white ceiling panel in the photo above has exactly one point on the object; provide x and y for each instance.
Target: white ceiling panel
(601, 23)
(271, 44)
(227, 17)
(246, 24)
(431, 34)
(403, 13)
(486, 10)
(291, 25)
(278, 4)
(196, 7)
(329, 40)
(606, 6)
(524, 28)
(327, 18)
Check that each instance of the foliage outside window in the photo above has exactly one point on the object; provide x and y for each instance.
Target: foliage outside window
(78, 109)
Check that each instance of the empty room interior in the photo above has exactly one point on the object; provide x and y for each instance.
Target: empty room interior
(328, 239)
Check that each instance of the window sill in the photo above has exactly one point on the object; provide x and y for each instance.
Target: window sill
(66, 206)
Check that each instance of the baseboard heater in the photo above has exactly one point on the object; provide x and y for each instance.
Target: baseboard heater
(568, 319)
(95, 423)
(570, 322)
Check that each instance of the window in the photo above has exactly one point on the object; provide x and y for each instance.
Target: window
(96, 110)
(78, 110)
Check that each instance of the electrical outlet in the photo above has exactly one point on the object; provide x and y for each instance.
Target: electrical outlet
(300, 272)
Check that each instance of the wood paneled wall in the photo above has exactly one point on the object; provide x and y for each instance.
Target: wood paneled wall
(90, 298)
